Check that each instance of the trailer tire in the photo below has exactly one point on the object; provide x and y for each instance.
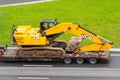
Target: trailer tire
(67, 60)
(79, 60)
(92, 60)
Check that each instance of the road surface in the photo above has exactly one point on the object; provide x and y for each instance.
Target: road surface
(60, 71)
(57, 70)
(56, 78)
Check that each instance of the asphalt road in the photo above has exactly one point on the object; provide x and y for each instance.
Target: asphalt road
(6, 2)
(57, 70)
(60, 71)
(57, 78)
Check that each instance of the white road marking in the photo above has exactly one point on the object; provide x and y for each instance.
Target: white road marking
(38, 65)
(33, 78)
(25, 3)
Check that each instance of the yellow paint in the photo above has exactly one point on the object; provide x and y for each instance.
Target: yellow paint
(26, 35)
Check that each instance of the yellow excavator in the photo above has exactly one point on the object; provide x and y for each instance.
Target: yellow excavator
(40, 44)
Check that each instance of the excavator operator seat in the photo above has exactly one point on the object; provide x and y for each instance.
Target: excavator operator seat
(46, 24)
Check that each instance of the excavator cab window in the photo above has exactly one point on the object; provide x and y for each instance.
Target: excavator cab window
(46, 24)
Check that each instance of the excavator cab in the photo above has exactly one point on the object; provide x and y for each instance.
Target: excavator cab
(46, 24)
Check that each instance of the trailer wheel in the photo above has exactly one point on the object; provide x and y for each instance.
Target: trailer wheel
(80, 60)
(67, 60)
(92, 60)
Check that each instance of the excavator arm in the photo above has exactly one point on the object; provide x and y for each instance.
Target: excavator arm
(101, 44)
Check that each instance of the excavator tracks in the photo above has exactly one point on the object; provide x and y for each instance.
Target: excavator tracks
(40, 53)
(35, 53)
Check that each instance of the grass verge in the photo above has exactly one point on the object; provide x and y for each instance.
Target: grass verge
(99, 16)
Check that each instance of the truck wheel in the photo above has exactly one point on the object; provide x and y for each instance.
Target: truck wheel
(67, 60)
(80, 60)
(92, 60)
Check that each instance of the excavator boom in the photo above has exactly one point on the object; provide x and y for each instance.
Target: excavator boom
(100, 43)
